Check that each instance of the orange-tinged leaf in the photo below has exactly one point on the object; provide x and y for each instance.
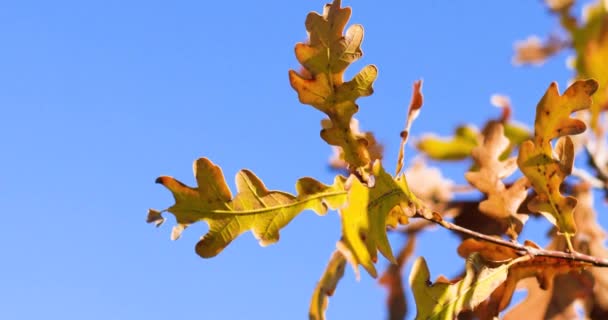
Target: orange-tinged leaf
(412, 114)
(325, 58)
(489, 251)
(534, 51)
(553, 112)
(545, 172)
(556, 302)
(254, 207)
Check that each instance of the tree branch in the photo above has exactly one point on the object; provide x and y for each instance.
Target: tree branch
(518, 247)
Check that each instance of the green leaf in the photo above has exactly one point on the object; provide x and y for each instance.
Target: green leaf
(444, 300)
(253, 208)
(456, 148)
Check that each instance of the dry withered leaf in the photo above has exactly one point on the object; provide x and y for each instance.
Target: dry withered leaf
(392, 279)
(534, 51)
(412, 114)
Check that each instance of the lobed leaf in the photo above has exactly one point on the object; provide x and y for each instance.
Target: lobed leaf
(502, 202)
(444, 300)
(254, 207)
(368, 212)
(324, 59)
(543, 268)
(536, 160)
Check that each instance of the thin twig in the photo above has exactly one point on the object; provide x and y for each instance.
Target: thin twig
(518, 247)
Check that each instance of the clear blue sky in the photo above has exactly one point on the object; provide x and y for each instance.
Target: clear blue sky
(98, 98)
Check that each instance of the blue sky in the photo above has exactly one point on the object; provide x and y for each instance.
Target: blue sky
(98, 98)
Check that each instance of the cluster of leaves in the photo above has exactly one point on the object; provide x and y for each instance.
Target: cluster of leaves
(372, 202)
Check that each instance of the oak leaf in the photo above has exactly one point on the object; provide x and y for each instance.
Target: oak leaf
(545, 172)
(543, 268)
(326, 286)
(556, 302)
(368, 212)
(502, 202)
(444, 300)
(325, 58)
(253, 208)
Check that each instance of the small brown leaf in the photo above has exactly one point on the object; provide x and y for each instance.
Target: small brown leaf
(502, 202)
(392, 279)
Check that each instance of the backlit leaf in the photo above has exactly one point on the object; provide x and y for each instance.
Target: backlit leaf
(368, 212)
(325, 58)
(326, 286)
(444, 300)
(536, 160)
(253, 208)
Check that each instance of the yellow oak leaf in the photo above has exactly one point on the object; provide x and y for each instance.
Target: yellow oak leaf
(553, 112)
(444, 300)
(545, 172)
(324, 59)
(253, 208)
(368, 212)
(502, 203)
(326, 286)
